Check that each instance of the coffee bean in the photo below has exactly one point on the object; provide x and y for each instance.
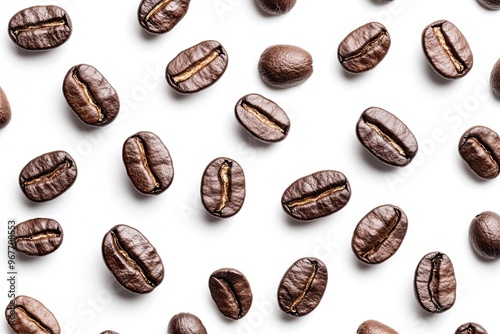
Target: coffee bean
(90, 95)
(364, 48)
(316, 195)
(223, 187)
(471, 328)
(447, 50)
(276, 7)
(5, 112)
(479, 146)
(284, 66)
(148, 163)
(495, 78)
(484, 235)
(386, 137)
(490, 4)
(197, 67)
(434, 283)
(302, 287)
(231, 292)
(185, 323)
(262, 118)
(109, 332)
(48, 176)
(379, 234)
(374, 327)
(40, 27)
(26, 315)
(161, 16)
(132, 259)
(37, 236)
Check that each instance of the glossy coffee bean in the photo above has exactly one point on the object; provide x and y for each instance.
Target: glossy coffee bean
(231, 292)
(386, 137)
(185, 323)
(302, 286)
(26, 315)
(364, 48)
(490, 4)
(495, 78)
(161, 16)
(132, 259)
(446, 49)
(479, 147)
(5, 112)
(434, 283)
(276, 7)
(197, 67)
(284, 66)
(37, 236)
(48, 176)
(484, 235)
(374, 327)
(40, 27)
(471, 328)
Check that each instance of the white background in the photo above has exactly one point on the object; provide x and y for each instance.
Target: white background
(437, 192)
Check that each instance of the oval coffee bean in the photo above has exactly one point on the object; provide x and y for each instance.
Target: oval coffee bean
(490, 4)
(5, 112)
(434, 283)
(48, 176)
(364, 48)
(276, 7)
(386, 137)
(447, 50)
(132, 259)
(161, 16)
(374, 327)
(90, 95)
(231, 292)
(284, 66)
(379, 234)
(40, 27)
(316, 195)
(495, 78)
(262, 118)
(38, 236)
(197, 67)
(484, 235)
(223, 187)
(479, 146)
(27, 315)
(302, 287)
(471, 328)
(148, 163)
(185, 323)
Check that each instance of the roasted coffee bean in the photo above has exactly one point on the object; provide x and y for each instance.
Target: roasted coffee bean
(40, 27)
(223, 187)
(185, 323)
(386, 137)
(447, 50)
(48, 176)
(479, 146)
(484, 235)
(434, 283)
(231, 292)
(26, 315)
(148, 163)
(316, 195)
(302, 287)
(90, 95)
(364, 48)
(38, 236)
(276, 7)
(379, 234)
(262, 118)
(490, 4)
(5, 113)
(374, 327)
(132, 259)
(284, 66)
(109, 332)
(495, 78)
(471, 328)
(161, 16)
(197, 67)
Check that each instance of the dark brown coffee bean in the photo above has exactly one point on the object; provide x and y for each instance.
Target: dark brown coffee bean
(231, 292)
(223, 187)
(316, 195)
(490, 4)
(185, 323)
(197, 67)
(90, 95)
(471, 328)
(386, 137)
(262, 118)
(48, 176)
(447, 50)
(26, 315)
(374, 327)
(302, 287)
(379, 234)
(5, 112)
(364, 48)
(38, 236)
(40, 27)
(484, 235)
(276, 7)
(161, 16)
(109, 332)
(284, 66)
(495, 78)
(132, 259)
(434, 283)
(479, 146)
(148, 163)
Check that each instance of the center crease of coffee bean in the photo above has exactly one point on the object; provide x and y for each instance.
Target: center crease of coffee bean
(315, 198)
(49, 24)
(386, 137)
(478, 142)
(442, 41)
(254, 111)
(196, 67)
(365, 48)
(42, 235)
(366, 255)
(224, 181)
(435, 266)
(233, 292)
(293, 307)
(61, 168)
(33, 319)
(90, 97)
(159, 6)
(145, 163)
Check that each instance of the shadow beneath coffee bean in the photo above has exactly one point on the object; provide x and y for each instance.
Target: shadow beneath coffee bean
(31, 54)
(248, 139)
(347, 75)
(124, 294)
(380, 3)
(431, 74)
(212, 219)
(373, 162)
(287, 317)
(176, 96)
(362, 266)
(146, 35)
